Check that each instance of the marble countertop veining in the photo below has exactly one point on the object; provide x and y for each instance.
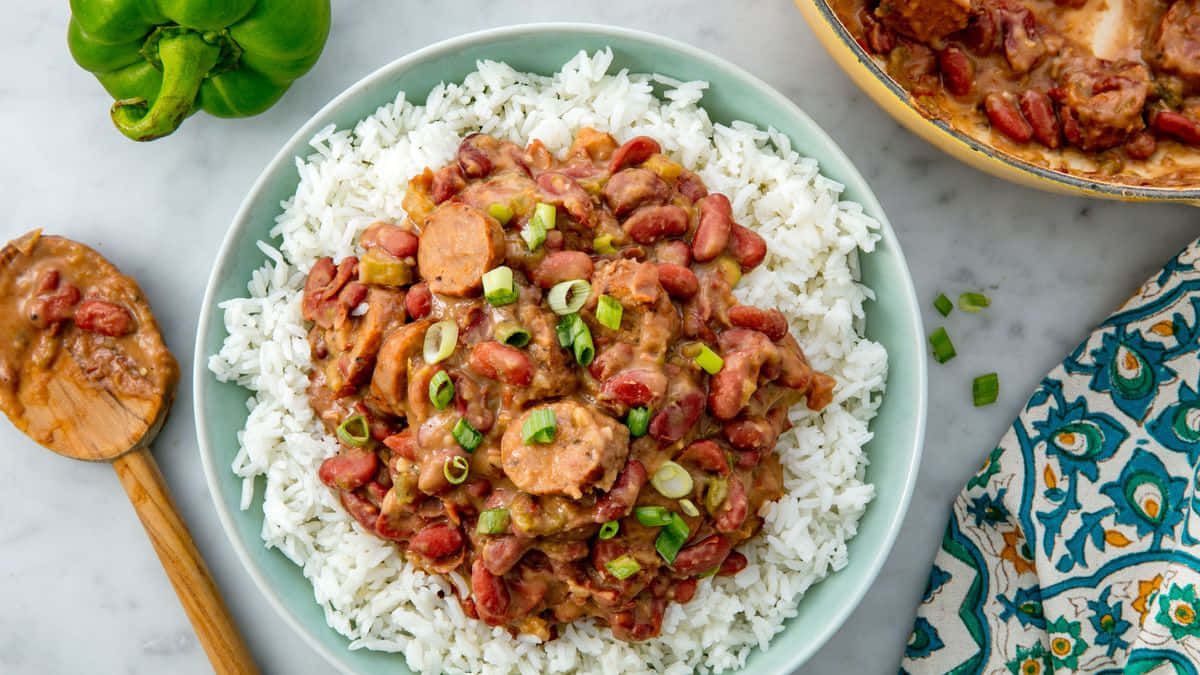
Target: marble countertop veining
(80, 586)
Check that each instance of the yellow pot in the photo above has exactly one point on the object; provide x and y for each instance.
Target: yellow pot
(898, 103)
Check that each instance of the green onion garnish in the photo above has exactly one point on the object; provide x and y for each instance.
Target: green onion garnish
(943, 348)
(492, 521)
(569, 297)
(943, 305)
(534, 235)
(501, 212)
(354, 431)
(689, 509)
(609, 311)
(498, 286)
(544, 214)
(563, 329)
(973, 302)
(652, 516)
(638, 421)
(539, 427)
(985, 389)
(718, 489)
(455, 469)
(440, 340)
(672, 481)
(512, 333)
(671, 538)
(709, 360)
(623, 567)
(441, 390)
(581, 342)
(603, 245)
(609, 529)
(468, 439)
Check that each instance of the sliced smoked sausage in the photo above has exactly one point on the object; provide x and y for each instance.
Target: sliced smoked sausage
(458, 245)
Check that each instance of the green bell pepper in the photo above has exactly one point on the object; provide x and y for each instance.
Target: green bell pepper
(164, 59)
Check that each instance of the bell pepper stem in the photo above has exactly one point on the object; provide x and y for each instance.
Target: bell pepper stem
(186, 60)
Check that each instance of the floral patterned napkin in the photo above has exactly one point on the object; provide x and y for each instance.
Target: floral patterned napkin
(1076, 548)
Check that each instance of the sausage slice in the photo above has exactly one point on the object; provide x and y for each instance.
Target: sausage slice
(458, 244)
(588, 449)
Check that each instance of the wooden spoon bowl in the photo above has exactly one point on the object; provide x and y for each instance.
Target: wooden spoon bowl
(84, 372)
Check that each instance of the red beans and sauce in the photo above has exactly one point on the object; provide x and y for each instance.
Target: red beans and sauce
(1100, 89)
(541, 380)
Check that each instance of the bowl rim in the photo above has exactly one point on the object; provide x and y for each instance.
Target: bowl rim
(240, 222)
(897, 102)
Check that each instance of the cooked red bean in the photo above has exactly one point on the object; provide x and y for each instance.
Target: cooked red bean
(419, 301)
(473, 159)
(750, 433)
(402, 444)
(651, 223)
(500, 554)
(678, 281)
(713, 230)
(770, 322)
(360, 509)
(673, 251)
(619, 500)
(1141, 145)
(437, 541)
(635, 386)
(958, 72)
(748, 459)
(1006, 117)
(610, 360)
(684, 590)
(562, 266)
(490, 594)
(677, 417)
(733, 512)
(746, 247)
(562, 190)
(735, 562)
(105, 318)
(707, 455)
(349, 470)
(689, 185)
(395, 240)
(702, 556)
(447, 182)
(501, 362)
(1178, 126)
(631, 188)
(48, 281)
(1039, 112)
(376, 492)
(56, 307)
(635, 151)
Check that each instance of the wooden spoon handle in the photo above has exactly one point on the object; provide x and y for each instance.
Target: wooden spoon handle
(148, 492)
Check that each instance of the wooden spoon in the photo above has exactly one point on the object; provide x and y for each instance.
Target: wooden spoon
(84, 372)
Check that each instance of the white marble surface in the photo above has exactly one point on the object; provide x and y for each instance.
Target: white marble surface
(80, 588)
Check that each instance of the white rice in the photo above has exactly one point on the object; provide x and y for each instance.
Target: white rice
(369, 592)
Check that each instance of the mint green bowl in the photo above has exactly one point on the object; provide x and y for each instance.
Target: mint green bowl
(893, 319)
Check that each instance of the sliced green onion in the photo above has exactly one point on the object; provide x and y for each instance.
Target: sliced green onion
(539, 427)
(563, 329)
(441, 390)
(501, 212)
(545, 215)
(581, 342)
(718, 489)
(609, 311)
(689, 509)
(943, 305)
(498, 286)
(456, 469)
(569, 297)
(943, 348)
(709, 360)
(672, 538)
(492, 521)
(652, 516)
(973, 302)
(985, 389)
(638, 421)
(468, 439)
(609, 529)
(603, 245)
(440, 340)
(354, 431)
(623, 567)
(512, 333)
(534, 235)
(672, 481)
